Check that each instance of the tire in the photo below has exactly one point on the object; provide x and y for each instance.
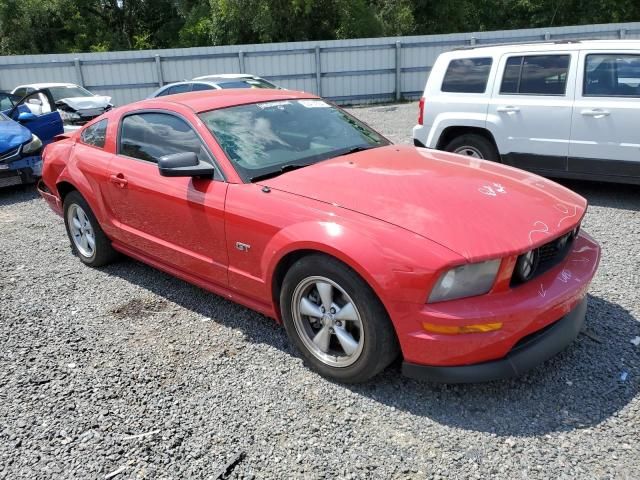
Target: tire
(367, 324)
(475, 146)
(83, 229)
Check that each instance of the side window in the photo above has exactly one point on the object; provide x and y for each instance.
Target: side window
(21, 92)
(201, 86)
(149, 136)
(182, 88)
(467, 75)
(612, 75)
(536, 75)
(95, 134)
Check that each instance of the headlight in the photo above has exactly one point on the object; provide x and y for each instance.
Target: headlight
(465, 281)
(33, 146)
(68, 116)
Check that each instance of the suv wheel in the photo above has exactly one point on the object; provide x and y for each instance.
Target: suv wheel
(336, 321)
(475, 146)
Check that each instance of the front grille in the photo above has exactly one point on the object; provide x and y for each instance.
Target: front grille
(548, 256)
(10, 154)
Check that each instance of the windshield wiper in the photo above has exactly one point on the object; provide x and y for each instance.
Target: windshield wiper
(359, 148)
(280, 171)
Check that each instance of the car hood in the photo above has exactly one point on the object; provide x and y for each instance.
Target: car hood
(84, 103)
(12, 134)
(476, 208)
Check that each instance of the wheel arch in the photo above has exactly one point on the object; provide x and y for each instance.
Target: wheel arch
(450, 133)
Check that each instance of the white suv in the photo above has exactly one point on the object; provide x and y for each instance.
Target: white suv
(567, 109)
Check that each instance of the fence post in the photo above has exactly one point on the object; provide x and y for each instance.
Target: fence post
(79, 77)
(547, 36)
(159, 71)
(241, 61)
(318, 72)
(472, 41)
(398, 71)
(623, 32)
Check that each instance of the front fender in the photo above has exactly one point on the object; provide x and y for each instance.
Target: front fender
(398, 265)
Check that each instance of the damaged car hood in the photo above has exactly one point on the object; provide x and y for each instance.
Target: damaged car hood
(476, 208)
(86, 103)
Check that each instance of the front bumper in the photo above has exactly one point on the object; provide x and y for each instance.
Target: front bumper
(524, 311)
(525, 355)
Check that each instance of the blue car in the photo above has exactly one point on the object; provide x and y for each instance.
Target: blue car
(22, 137)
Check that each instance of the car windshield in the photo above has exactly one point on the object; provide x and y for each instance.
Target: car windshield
(265, 139)
(58, 93)
(246, 83)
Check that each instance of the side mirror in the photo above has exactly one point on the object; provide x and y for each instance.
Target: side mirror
(26, 117)
(184, 164)
(35, 101)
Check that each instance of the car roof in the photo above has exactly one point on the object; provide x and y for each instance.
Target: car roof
(46, 85)
(225, 76)
(213, 99)
(546, 46)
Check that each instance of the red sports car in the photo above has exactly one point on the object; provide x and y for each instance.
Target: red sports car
(365, 250)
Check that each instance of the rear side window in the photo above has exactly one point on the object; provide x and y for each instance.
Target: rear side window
(467, 75)
(95, 135)
(536, 75)
(201, 86)
(185, 87)
(612, 75)
(149, 136)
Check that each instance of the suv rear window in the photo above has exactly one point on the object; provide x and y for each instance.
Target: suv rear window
(467, 75)
(536, 75)
(612, 75)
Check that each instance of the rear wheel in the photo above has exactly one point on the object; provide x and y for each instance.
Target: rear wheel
(336, 321)
(88, 241)
(475, 146)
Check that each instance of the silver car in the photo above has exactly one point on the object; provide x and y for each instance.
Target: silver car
(214, 82)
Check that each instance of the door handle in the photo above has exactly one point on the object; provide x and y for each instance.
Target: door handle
(508, 109)
(596, 113)
(118, 180)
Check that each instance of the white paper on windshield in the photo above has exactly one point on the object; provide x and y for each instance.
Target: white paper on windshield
(273, 104)
(314, 103)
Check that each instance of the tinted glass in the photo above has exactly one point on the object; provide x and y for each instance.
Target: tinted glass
(58, 93)
(612, 75)
(537, 75)
(183, 88)
(21, 92)
(7, 100)
(246, 83)
(511, 76)
(95, 134)
(468, 75)
(149, 136)
(262, 138)
(201, 86)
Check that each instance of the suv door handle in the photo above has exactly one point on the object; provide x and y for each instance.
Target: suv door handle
(119, 180)
(596, 113)
(508, 109)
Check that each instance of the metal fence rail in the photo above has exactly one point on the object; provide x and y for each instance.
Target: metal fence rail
(346, 71)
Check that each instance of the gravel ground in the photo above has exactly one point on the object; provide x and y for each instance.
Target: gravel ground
(126, 372)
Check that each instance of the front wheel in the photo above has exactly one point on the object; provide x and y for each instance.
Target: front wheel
(336, 321)
(475, 146)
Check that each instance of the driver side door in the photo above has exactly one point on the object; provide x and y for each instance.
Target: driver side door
(177, 221)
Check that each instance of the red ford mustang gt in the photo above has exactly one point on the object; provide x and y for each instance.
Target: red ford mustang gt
(470, 270)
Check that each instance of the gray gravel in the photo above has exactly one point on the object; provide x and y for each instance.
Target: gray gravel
(126, 372)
